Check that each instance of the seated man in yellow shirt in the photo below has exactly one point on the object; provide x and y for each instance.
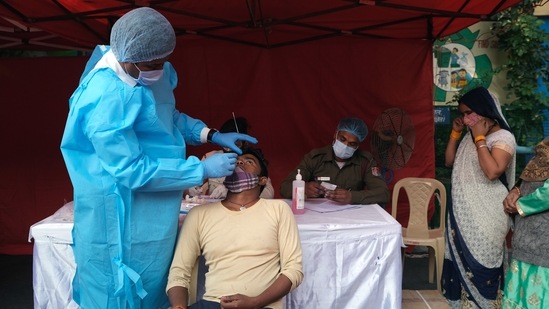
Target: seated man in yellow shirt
(251, 245)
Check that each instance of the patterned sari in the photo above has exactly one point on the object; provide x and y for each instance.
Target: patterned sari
(477, 227)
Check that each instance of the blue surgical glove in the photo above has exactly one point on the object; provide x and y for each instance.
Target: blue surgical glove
(229, 140)
(219, 165)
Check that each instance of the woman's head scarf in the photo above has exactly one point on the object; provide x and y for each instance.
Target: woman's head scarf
(537, 168)
(482, 102)
(142, 35)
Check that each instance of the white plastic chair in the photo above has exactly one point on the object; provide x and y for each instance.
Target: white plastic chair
(420, 192)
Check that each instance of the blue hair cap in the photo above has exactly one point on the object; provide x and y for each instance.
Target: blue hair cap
(142, 35)
(355, 126)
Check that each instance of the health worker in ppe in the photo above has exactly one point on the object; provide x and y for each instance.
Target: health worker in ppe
(124, 148)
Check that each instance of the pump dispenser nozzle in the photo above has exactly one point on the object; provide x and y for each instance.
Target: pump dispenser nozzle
(298, 194)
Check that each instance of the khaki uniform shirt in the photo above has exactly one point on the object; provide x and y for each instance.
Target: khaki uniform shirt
(360, 175)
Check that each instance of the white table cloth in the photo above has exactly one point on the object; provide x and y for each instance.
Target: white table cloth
(351, 258)
(53, 260)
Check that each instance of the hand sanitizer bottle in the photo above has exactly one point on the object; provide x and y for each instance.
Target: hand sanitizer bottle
(298, 194)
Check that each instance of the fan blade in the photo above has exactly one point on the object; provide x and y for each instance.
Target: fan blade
(393, 138)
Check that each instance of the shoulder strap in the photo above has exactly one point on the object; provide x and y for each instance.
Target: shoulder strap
(503, 179)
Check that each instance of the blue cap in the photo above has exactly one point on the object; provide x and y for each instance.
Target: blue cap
(142, 35)
(355, 126)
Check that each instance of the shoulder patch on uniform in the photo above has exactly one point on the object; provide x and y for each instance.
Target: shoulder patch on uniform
(376, 171)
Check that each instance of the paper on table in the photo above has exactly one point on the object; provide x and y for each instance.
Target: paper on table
(328, 206)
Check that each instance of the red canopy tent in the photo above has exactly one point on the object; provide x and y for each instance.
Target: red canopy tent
(292, 67)
(260, 23)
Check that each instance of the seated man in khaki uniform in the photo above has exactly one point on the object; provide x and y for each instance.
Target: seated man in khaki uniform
(352, 170)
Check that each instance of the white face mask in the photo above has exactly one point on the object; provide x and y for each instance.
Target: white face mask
(342, 151)
(148, 78)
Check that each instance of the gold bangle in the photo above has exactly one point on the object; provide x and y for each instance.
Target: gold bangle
(480, 138)
(455, 135)
(518, 190)
(520, 211)
(481, 146)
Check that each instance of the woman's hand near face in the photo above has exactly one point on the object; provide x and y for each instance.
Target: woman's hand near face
(457, 124)
(481, 127)
(451, 147)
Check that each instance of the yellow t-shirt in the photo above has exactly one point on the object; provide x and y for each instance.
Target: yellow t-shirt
(245, 251)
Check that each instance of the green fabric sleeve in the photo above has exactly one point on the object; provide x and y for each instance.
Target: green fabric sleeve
(536, 202)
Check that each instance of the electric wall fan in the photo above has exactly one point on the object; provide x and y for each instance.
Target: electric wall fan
(392, 141)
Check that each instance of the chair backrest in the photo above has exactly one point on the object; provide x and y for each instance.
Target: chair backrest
(420, 192)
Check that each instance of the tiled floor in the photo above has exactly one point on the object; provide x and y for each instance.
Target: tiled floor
(417, 292)
(420, 299)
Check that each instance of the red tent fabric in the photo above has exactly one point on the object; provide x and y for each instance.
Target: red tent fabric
(293, 96)
(262, 23)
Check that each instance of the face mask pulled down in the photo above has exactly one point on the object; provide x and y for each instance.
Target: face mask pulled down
(342, 151)
(240, 180)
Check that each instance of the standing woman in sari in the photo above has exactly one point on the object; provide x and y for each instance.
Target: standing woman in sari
(483, 168)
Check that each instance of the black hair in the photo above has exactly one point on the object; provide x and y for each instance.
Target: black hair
(231, 124)
(480, 101)
(263, 163)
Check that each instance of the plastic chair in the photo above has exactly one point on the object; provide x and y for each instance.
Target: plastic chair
(197, 281)
(420, 192)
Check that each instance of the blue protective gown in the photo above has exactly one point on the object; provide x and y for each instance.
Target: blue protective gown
(124, 148)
